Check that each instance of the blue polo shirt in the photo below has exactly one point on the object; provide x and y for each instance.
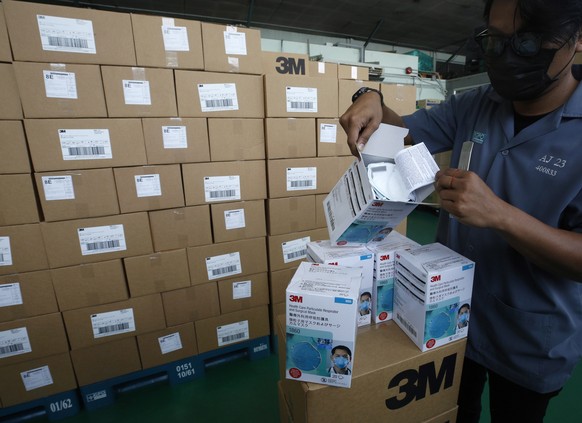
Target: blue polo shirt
(526, 323)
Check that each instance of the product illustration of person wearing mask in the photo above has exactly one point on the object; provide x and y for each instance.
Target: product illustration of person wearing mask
(517, 210)
(463, 316)
(340, 359)
(365, 303)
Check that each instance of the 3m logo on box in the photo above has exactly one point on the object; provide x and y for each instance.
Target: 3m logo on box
(384, 257)
(288, 65)
(295, 298)
(377, 204)
(435, 278)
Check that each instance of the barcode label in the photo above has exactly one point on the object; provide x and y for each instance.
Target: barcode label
(175, 38)
(217, 97)
(170, 343)
(234, 332)
(301, 178)
(174, 137)
(114, 328)
(228, 269)
(113, 323)
(85, 144)
(148, 185)
(223, 265)
(105, 245)
(235, 42)
(407, 325)
(68, 42)
(222, 194)
(14, 342)
(232, 338)
(137, 92)
(219, 103)
(301, 184)
(66, 34)
(60, 84)
(296, 255)
(86, 151)
(5, 251)
(101, 239)
(330, 215)
(11, 349)
(301, 99)
(222, 188)
(36, 378)
(295, 249)
(327, 133)
(58, 187)
(10, 294)
(302, 105)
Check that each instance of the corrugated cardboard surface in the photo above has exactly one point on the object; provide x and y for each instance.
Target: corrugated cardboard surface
(279, 63)
(400, 98)
(253, 213)
(353, 72)
(278, 282)
(218, 59)
(258, 292)
(288, 138)
(5, 51)
(10, 106)
(150, 349)
(191, 304)
(236, 139)
(337, 148)
(320, 221)
(276, 257)
(322, 69)
(291, 214)
(13, 151)
(347, 88)
(181, 228)
(38, 296)
(18, 200)
(27, 248)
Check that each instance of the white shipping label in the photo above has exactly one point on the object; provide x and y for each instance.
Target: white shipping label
(137, 92)
(14, 342)
(217, 97)
(223, 265)
(301, 178)
(235, 332)
(222, 188)
(235, 43)
(328, 133)
(234, 219)
(85, 144)
(175, 38)
(66, 34)
(10, 294)
(170, 343)
(321, 67)
(58, 187)
(174, 137)
(148, 185)
(295, 250)
(60, 84)
(354, 72)
(241, 290)
(101, 239)
(36, 378)
(301, 99)
(113, 323)
(5, 251)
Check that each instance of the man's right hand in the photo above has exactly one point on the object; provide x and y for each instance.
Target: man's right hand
(361, 119)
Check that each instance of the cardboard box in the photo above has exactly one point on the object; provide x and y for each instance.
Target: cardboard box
(100, 324)
(287, 250)
(243, 292)
(176, 140)
(347, 88)
(322, 304)
(32, 338)
(10, 107)
(77, 194)
(139, 92)
(319, 212)
(322, 69)
(149, 187)
(18, 199)
(57, 144)
(89, 284)
(300, 96)
(236, 139)
(228, 259)
(242, 220)
(5, 51)
(13, 151)
(168, 345)
(157, 272)
(191, 304)
(432, 295)
(162, 42)
(22, 249)
(27, 295)
(232, 328)
(106, 361)
(359, 73)
(427, 103)
(401, 384)
(332, 140)
(47, 33)
(278, 282)
(31, 380)
(290, 138)
(291, 214)
(181, 228)
(280, 63)
(224, 181)
(400, 98)
(56, 90)
(231, 49)
(81, 241)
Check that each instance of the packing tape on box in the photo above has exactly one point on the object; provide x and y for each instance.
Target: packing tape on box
(171, 56)
(179, 214)
(66, 106)
(139, 74)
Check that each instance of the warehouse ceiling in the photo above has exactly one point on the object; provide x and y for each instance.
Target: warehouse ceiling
(435, 25)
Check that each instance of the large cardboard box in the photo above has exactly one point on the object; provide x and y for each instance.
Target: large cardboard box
(291, 214)
(13, 151)
(231, 49)
(89, 285)
(47, 33)
(209, 94)
(280, 63)
(100, 324)
(300, 96)
(10, 107)
(22, 249)
(331, 139)
(32, 338)
(191, 304)
(176, 140)
(400, 98)
(26, 295)
(287, 250)
(149, 187)
(57, 144)
(347, 88)
(288, 138)
(34, 379)
(241, 220)
(319, 212)
(227, 259)
(18, 200)
(243, 292)
(81, 241)
(232, 328)
(157, 272)
(5, 51)
(224, 181)
(167, 345)
(278, 282)
(56, 90)
(106, 361)
(139, 92)
(236, 139)
(77, 194)
(180, 228)
(322, 69)
(162, 42)
(359, 73)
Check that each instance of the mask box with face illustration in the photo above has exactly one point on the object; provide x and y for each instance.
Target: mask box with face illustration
(321, 308)
(432, 294)
(327, 253)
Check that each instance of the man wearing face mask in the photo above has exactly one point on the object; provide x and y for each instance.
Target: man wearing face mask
(340, 359)
(365, 303)
(517, 210)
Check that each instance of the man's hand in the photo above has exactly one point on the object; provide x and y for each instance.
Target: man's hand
(361, 120)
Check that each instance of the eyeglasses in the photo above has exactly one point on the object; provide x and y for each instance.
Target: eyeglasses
(525, 44)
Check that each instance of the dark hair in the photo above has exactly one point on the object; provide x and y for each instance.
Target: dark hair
(365, 293)
(341, 347)
(463, 306)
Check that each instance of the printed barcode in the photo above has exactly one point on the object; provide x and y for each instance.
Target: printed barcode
(407, 325)
(297, 184)
(1, 258)
(302, 105)
(234, 337)
(86, 151)
(11, 349)
(102, 245)
(296, 254)
(331, 217)
(68, 42)
(219, 103)
(221, 194)
(223, 270)
(113, 328)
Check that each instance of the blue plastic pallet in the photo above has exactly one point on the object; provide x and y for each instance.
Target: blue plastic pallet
(254, 349)
(53, 407)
